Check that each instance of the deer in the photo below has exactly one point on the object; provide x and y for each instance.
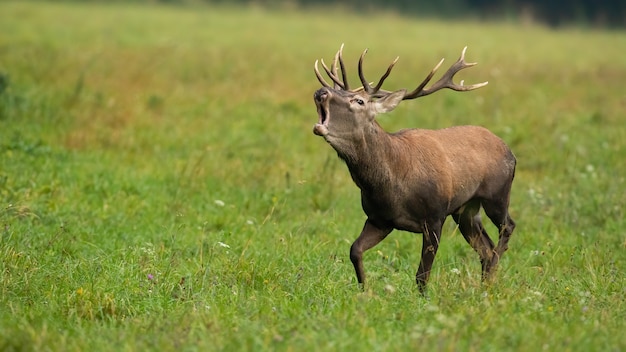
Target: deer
(413, 179)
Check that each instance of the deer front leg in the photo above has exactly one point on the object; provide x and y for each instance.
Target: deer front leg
(432, 234)
(370, 236)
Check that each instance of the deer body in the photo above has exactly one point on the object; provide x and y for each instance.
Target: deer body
(412, 180)
(415, 174)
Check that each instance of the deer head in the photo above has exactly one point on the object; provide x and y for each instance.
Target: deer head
(344, 112)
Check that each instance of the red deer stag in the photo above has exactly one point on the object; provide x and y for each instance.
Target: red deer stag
(413, 179)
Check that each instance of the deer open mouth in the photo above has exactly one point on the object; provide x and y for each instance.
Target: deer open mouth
(321, 128)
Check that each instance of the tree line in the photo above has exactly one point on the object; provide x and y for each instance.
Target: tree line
(555, 13)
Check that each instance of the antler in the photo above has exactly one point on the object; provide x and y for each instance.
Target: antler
(446, 80)
(342, 82)
(332, 72)
(366, 85)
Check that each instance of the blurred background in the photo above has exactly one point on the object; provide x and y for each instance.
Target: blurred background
(555, 13)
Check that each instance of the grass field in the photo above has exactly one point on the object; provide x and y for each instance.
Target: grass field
(161, 187)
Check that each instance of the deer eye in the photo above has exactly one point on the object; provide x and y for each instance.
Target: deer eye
(359, 101)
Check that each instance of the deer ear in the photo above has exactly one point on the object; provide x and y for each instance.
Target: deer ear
(389, 102)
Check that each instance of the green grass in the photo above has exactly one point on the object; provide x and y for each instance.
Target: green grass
(161, 189)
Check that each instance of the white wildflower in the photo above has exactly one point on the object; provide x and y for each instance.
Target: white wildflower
(389, 289)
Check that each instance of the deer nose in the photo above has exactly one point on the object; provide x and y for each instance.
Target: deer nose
(321, 95)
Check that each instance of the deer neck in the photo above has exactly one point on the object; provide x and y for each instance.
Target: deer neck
(368, 155)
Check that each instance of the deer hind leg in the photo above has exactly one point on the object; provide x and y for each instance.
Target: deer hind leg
(370, 236)
(472, 229)
(432, 235)
(498, 213)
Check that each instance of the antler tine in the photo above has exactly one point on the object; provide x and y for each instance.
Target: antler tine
(382, 79)
(319, 75)
(333, 68)
(420, 88)
(332, 72)
(344, 75)
(364, 82)
(332, 76)
(446, 80)
(366, 85)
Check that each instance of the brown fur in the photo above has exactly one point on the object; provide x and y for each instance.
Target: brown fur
(413, 179)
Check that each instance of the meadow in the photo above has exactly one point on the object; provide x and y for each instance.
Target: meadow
(161, 187)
